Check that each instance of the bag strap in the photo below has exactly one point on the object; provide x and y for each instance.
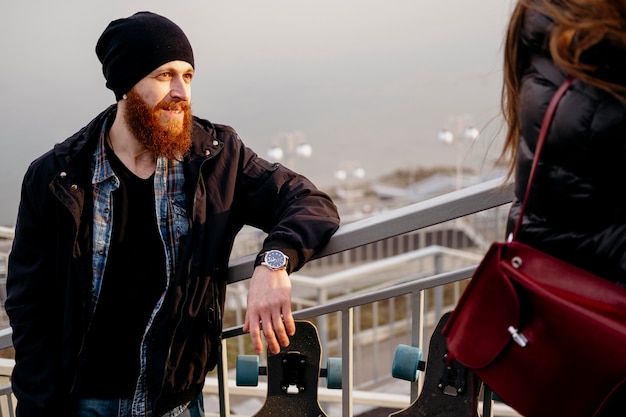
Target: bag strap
(543, 132)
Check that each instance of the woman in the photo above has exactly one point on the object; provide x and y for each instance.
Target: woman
(577, 209)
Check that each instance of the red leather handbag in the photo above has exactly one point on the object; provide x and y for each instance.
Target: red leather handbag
(547, 337)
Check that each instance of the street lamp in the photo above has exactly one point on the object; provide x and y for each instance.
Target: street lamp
(459, 131)
(295, 146)
(344, 175)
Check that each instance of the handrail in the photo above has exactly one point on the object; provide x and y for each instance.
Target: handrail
(337, 278)
(334, 306)
(7, 232)
(456, 204)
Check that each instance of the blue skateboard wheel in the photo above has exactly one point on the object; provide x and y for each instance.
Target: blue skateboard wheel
(333, 373)
(405, 363)
(247, 370)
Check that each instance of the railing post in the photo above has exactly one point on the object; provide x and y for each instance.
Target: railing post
(417, 335)
(438, 290)
(322, 321)
(222, 381)
(347, 361)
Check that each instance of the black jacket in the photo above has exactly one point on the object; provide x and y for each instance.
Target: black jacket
(49, 279)
(577, 209)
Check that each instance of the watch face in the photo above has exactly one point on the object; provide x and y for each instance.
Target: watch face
(275, 259)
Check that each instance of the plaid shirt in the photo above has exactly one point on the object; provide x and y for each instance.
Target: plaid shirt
(172, 222)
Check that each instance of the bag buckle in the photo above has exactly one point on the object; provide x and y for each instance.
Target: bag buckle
(518, 338)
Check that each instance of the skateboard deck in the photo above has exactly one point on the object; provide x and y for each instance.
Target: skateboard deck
(293, 376)
(449, 390)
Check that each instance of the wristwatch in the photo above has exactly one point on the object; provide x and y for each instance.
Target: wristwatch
(274, 259)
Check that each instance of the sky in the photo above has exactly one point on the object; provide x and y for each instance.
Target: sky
(367, 83)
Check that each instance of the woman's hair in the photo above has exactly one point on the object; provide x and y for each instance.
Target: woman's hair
(578, 26)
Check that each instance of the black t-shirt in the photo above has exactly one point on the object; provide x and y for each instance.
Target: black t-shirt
(134, 279)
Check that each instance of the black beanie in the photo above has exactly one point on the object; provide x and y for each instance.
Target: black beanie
(131, 48)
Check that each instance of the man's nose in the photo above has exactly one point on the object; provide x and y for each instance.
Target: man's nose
(180, 89)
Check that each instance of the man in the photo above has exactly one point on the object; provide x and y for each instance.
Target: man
(117, 275)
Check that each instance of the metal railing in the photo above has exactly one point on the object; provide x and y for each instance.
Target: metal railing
(418, 216)
(406, 219)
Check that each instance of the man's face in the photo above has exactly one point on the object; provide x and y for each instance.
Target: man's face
(158, 110)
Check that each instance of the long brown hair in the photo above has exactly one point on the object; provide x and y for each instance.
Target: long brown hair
(588, 22)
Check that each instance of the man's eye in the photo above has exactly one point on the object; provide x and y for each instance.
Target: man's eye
(165, 75)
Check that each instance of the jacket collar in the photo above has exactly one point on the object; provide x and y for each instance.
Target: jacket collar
(205, 142)
(85, 137)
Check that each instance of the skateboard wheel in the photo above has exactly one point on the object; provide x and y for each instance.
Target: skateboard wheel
(247, 370)
(333, 373)
(406, 360)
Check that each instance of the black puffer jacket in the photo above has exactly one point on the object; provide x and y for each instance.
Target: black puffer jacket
(49, 281)
(577, 209)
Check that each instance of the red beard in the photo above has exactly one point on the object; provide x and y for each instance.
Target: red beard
(172, 139)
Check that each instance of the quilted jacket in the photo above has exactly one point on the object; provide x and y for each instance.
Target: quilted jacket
(577, 209)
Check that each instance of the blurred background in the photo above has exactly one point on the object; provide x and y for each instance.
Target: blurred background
(346, 91)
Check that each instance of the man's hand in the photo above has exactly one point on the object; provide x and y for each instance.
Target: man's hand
(269, 309)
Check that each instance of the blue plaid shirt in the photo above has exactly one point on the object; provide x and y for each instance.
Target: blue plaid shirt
(172, 222)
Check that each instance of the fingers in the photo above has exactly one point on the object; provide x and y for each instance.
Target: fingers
(289, 323)
(282, 327)
(276, 332)
(269, 309)
(271, 332)
(254, 328)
